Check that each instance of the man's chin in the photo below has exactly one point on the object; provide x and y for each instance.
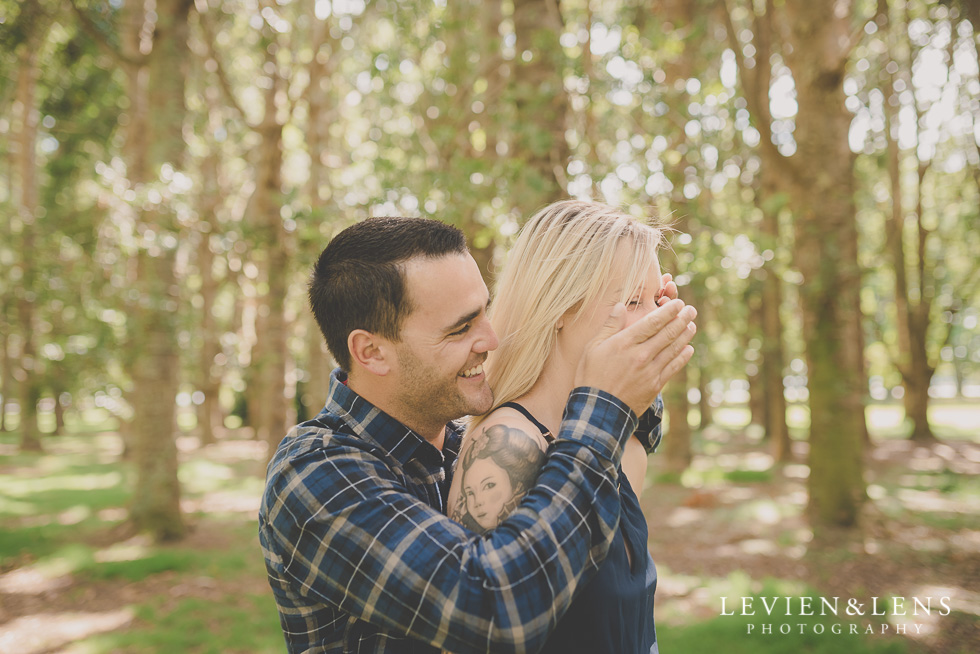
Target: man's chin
(478, 402)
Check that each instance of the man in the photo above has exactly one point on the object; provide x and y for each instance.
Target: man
(360, 555)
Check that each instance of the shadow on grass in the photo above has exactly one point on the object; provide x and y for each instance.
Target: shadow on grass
(232, 623)
(68, 560)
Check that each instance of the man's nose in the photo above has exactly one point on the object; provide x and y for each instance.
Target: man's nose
(488, 340)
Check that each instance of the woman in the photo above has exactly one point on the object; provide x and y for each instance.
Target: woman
(572, 263)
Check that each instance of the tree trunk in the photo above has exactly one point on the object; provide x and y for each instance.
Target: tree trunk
(704, 402)
(754, 373)
(756, 82)
(772, 360)
(676, 449)
(918, 375)
(318, 366)
(318, 360)
(156, 497)
(26, 199)
(267, 389)
(912, 316)
(6, 378)
(59, 411)
(541, 104)
(209, 410)
(135, 151)
(702, 357)
(826, 253)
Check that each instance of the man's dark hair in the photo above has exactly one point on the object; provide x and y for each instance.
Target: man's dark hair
(359, 280)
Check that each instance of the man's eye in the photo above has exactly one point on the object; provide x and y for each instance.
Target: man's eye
(459, 332)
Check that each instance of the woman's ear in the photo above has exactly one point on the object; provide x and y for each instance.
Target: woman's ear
(369, 351)
(568, 316)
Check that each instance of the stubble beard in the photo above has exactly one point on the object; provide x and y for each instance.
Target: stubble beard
(431, 394)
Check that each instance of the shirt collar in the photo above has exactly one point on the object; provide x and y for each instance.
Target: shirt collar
(372, 424)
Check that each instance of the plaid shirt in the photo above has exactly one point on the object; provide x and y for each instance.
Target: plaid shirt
(361, 557)
(649, 431)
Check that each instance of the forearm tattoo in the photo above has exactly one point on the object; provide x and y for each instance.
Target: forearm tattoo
(497, 467)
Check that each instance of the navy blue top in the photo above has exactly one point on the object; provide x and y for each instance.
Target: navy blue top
(613, 612)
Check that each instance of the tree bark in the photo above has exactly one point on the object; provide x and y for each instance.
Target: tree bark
(912, 316)
(6, 378)
(26, 199)
(155, 504)
(702, 361)
(707, 413)
(676, 449)
(59, 410)
(318, 359)
(754, 374)
(826, 253)
(135, 151)
(267, 388)
(209, 410)
(756, 83)
(772, 358)
(541, 104)
(318, 367)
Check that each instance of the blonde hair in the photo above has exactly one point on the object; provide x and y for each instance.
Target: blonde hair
(562, 258)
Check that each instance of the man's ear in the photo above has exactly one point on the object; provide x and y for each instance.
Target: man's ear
(369, 351)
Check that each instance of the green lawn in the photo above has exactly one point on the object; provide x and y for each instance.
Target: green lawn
(63, 513)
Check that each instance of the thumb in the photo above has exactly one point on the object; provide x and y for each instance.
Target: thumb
(614, 323)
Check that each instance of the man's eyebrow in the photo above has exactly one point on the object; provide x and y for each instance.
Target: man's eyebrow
(467, 318)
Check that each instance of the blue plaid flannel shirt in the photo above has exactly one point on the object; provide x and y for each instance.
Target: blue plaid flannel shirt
(361, 557)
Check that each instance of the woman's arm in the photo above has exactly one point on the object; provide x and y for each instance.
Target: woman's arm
(635, 464)
(498, 462)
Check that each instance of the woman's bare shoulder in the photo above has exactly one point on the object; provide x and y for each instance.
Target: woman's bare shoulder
(506, 417)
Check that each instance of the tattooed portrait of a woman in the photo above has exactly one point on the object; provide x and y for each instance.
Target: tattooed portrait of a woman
(497, 468)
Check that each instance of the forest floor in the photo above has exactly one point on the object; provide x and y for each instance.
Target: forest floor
(735, 527)
(73, 580)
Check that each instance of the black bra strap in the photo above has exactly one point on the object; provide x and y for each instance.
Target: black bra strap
(527, 414)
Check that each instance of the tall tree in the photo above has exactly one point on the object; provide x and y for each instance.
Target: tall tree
(822, 35)
(270, 243)
(541, 104)
(35, 24)
(756, 81)
(678, 70)
(816, 40)
(209, 414)
(320, 114)
(919, 262)
(154, 53)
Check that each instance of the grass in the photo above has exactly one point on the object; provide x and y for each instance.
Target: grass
(730, 634)
(62, 511)
(232, 623)
(781, 632)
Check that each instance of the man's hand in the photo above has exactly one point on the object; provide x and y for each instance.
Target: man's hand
(633, 364)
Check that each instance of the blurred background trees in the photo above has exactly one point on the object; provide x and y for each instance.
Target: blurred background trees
(168, 176)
